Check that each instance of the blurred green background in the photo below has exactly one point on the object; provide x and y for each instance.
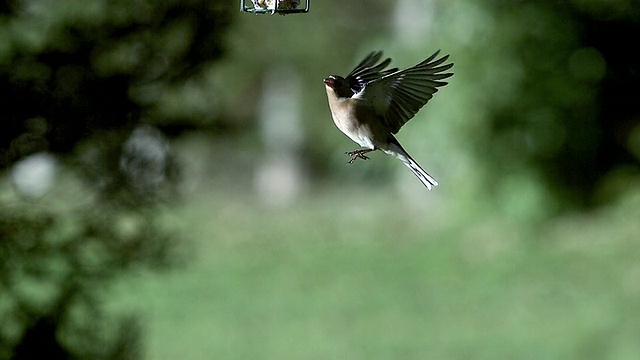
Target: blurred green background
(172, 185)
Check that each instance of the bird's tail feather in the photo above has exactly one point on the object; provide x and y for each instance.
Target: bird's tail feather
(397, 151)
(424, 177)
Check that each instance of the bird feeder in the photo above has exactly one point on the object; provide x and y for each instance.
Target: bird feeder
(282, 7)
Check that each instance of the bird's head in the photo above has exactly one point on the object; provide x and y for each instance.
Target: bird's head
(338, 85)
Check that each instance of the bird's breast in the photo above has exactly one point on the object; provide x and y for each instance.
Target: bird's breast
(352, 121)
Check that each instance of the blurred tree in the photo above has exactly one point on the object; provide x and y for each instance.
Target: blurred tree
(56, 263)
(77, 77)
(83, 66)
(575, 108)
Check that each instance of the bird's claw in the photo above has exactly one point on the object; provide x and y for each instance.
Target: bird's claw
(357, 154)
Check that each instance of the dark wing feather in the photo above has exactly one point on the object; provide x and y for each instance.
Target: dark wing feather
(397, 97)
(367, 71)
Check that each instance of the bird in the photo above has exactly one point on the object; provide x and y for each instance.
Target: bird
(373, 102)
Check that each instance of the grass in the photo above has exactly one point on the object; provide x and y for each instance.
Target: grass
(349, 274)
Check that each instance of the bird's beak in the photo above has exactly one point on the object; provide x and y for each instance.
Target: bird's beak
(330, 82)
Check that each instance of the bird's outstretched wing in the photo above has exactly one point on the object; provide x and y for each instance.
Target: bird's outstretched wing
(397, 97)
(367, 71)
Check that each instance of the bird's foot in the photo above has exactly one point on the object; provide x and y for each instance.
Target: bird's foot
(358, 154)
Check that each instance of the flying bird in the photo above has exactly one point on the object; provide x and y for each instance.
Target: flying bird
(371, 104)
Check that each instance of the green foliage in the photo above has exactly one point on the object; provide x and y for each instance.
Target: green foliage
(84, 66)
(58, 259)
(76, 77)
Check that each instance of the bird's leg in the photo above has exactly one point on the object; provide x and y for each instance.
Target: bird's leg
(358, 154)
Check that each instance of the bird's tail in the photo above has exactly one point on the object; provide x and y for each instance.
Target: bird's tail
(396, 150)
